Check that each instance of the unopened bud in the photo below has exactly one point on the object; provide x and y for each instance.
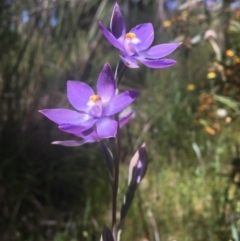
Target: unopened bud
(138, 166)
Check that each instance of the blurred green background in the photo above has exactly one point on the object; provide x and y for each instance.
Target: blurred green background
(189, 115)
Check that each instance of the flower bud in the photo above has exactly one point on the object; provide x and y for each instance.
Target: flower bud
(106, 235)
(138, 167)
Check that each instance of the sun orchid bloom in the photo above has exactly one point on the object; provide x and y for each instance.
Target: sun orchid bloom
(93, 118)
(90, 136)
(135, 45)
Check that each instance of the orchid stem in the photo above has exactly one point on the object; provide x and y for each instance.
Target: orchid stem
(115, 185)
(118, 76)
(120, 69)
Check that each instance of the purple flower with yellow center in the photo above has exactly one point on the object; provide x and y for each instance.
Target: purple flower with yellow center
(135, 45)
(93, 119)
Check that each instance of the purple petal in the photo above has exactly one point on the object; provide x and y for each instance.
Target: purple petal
(64, 116)
(129, 62)
(106, 128)
(77, 129)
(89, 135)
(159, 51)
(79, 94)
(71, 143)
(124, 120)
(106, 85)
(109, 36)
(120, 102)
(158, 63)
(145, 33)
(117, 24)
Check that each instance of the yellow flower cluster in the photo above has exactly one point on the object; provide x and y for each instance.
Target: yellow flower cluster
(191, 87)
(211, 75)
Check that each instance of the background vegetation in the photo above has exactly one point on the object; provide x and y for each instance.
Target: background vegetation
(187, 114)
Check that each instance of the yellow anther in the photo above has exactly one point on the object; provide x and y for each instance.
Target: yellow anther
(95, 98)
(130, 35)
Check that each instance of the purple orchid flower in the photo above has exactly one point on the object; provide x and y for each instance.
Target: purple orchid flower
(135, 44)
(90, 136)
(93, 119)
